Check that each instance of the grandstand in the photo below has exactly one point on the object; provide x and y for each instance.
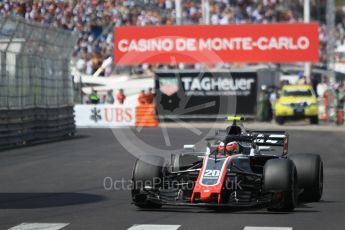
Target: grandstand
(95, 20)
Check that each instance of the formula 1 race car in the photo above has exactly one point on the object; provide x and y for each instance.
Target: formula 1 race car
(240, 168)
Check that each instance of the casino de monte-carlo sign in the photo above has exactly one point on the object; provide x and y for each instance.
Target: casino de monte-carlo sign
(280, 43)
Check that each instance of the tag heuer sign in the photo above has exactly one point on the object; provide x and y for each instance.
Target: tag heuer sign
(168, 85)
(209, 94)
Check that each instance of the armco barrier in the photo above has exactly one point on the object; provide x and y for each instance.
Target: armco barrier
(35, 125)
(146, 116)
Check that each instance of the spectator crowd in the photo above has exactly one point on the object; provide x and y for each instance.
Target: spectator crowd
(95, 19)
(108, 98)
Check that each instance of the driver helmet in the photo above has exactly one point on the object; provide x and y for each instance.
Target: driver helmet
(231, 148)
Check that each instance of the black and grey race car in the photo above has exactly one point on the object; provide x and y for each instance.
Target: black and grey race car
(260, 173)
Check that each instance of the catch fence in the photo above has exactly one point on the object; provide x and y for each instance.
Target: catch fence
(36, 91)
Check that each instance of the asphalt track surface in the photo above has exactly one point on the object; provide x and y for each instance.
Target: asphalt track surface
(63, 182)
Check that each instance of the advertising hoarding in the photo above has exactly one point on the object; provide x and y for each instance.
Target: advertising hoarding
(294, 42)
(196, 94)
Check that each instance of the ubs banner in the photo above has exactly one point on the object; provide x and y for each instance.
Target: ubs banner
(207, 94)
(104, 116)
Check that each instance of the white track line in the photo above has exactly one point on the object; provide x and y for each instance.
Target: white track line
(266, 228)
(39, 226)
(154, 227)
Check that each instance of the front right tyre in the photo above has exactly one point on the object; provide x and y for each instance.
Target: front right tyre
(146, 179)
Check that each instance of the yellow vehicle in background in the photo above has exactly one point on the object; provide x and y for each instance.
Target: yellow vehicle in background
(297, 102)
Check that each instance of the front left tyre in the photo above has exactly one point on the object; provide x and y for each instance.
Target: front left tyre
(280, 179)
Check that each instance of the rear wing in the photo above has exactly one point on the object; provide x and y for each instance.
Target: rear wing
(257, 137)
(271, 138)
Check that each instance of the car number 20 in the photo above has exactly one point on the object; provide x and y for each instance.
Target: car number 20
(210, 172)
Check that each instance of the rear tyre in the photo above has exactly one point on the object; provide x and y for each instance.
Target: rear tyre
(310, 176)
(280, 179)
(146, 178)
(280, 120)
(314, 120)
(183, 161)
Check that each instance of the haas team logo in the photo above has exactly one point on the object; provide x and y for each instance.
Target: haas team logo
(168, 86)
